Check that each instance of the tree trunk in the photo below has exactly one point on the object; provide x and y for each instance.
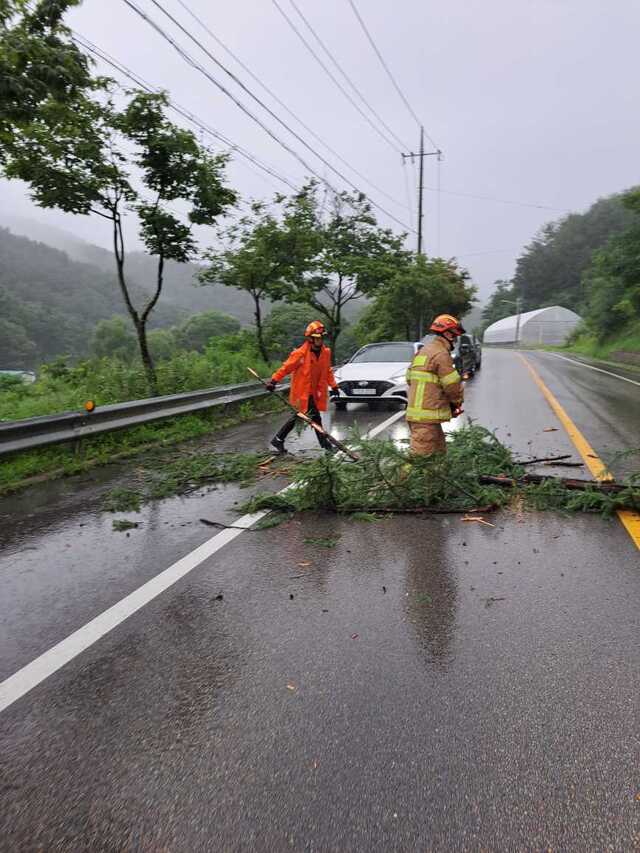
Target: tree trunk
(139, 322)
(336, 319)
(258, 315)
(147, 361)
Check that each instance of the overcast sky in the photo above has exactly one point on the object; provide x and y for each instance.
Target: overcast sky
(531, 101)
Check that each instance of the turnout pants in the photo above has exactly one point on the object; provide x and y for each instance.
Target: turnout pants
(314, 414)
(427, 439)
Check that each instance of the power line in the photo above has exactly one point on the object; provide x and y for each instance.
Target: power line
(499, 200)
(279, 101)
(345, 75)
(387, 69)
(487, 252)
(144, 84)
(333, 77)
(196, 65)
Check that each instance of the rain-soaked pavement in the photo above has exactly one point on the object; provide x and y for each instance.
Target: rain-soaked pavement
(424, 685)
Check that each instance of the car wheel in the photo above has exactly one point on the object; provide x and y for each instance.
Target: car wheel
(341, 407)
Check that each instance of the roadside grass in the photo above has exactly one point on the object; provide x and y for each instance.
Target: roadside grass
(62, 388)
(593, 347)
(22, 469)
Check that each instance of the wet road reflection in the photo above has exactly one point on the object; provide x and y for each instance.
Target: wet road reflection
(431, 592)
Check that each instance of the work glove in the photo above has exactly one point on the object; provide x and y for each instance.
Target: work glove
(334, 393)
(271, 386)
(456, 409)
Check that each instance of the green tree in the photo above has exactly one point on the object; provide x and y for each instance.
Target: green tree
(263, 253)
(162, 344)
(500, 304)
(41, 68)
(83, 155)
(550, 270)
(347, 344)
(197, 330)
(284, 328)
(16, 348)
(418, 292)
(612, 281)
(347, 256)
(114, 338)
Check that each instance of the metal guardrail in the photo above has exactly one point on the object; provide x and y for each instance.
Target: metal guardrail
(74, 426)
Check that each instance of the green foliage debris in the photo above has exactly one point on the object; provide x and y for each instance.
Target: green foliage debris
(388, 479)
(121, 500)
(122, 524)
(190, 472)
(322, 541)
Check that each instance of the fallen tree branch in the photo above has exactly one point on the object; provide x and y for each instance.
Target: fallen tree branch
(225, 526)
(564, 464)
(416, 510)
(568, 483)
(543, 459)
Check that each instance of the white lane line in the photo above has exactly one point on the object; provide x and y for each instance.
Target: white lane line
(32, 674)
(591, 367)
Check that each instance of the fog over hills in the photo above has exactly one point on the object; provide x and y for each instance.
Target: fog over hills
(181, 291)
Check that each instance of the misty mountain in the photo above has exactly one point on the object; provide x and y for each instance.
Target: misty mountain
(180, 291)
(50, 304)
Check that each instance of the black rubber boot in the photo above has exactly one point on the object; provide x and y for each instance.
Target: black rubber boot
(278, 443)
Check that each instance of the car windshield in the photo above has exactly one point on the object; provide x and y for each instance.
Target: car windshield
(384, 352)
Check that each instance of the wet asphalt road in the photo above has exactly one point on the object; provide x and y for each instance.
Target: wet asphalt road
(432, 685)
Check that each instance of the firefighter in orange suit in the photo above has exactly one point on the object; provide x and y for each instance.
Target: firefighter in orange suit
(312, 376)
(435, 388)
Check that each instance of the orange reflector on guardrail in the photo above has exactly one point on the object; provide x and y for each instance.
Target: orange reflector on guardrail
(89, 406)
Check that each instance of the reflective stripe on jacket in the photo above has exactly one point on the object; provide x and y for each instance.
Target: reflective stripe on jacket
(303, 386)
(434, 384)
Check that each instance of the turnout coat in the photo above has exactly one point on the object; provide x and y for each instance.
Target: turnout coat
(312, 377)
(434, 384)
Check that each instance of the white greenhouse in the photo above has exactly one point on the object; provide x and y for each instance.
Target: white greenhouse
(543, 326)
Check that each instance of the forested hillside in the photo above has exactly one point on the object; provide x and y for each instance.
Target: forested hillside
(549, 271)
(180, 289)
(50, 304)
(587, 262)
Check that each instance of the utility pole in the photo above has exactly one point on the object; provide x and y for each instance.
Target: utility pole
(421, 155)
(518, 304)
(519, 312)
(420, 190)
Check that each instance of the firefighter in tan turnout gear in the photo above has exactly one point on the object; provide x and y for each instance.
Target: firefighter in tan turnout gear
(435, 388)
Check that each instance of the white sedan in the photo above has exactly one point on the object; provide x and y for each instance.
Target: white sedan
(375, 374)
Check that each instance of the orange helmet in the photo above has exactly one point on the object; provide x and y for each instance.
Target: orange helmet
(315, 328)
(447, 323)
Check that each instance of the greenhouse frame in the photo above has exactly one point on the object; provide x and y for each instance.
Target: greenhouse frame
(551, 325)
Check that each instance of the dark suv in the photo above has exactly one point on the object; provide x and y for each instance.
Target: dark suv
(477, 345)
(464, 356)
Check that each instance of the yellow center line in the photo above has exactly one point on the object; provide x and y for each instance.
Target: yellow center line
(629, 518)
